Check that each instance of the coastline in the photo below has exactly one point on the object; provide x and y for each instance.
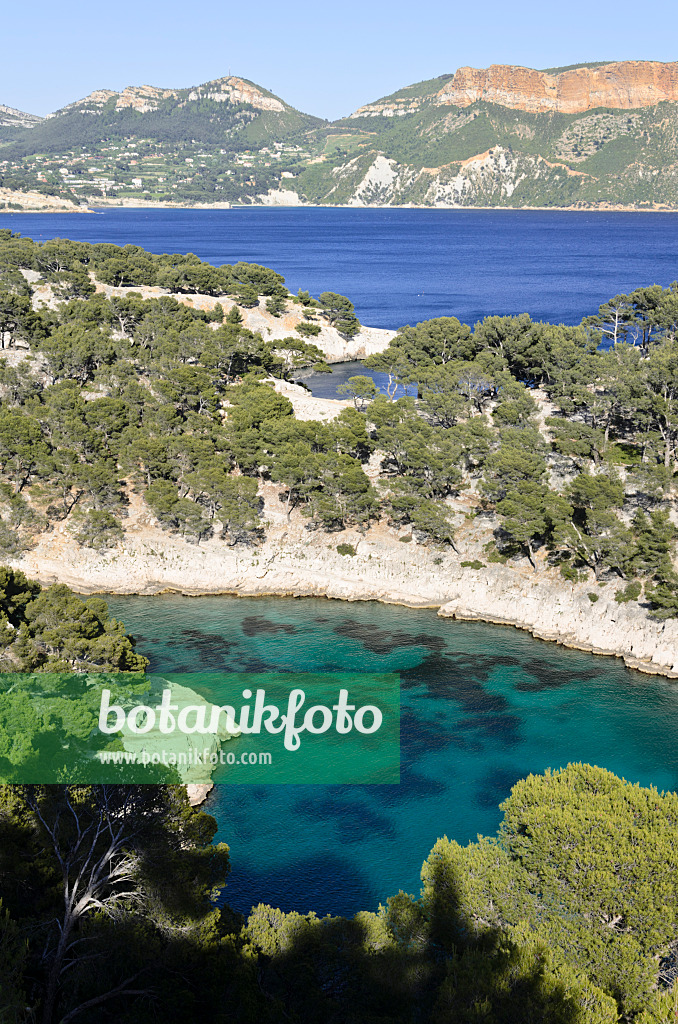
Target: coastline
(297, 562)
(150, 205)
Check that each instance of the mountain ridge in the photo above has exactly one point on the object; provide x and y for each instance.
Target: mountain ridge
(620, 85)
(591, 135)
(147, 98)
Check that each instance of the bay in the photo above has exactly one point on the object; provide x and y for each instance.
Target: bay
(402, 266)
(482, 706)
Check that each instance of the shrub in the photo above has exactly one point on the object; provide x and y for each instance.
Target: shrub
(346, 549)
(10, 544)
(475, 564)
(97, 530)
(631, 592)
(593, 598)
(568, 572)
(307, 329)
(275, 305)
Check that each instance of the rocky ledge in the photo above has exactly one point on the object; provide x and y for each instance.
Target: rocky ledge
(296, 561)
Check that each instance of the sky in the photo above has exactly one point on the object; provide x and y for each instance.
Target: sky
(323, 58)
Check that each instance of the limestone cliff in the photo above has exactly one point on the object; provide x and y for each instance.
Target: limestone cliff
(12, 118)
(297, 561)
(237, 90)
(623, 85)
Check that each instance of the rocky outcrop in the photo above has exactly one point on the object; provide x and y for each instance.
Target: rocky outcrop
(237, 90)
(198, 793)
(142, 98)
(622, 85)
(146, 98)
(11, 118)
(37, 202)
(99, 98)
(334, 346)
(296, 561)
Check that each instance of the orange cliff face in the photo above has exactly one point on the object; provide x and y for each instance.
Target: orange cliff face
(624, 85)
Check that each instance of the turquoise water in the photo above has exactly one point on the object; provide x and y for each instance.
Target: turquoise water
(482, 706)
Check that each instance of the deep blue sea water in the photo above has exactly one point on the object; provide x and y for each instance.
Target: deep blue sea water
(404, 266)
(482, 706)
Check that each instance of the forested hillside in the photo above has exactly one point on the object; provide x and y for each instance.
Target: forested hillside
(562, 440)
(222, 141)
(567, 450)
(504, 136)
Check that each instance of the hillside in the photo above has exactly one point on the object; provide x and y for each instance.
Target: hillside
(588, 135)
(152, 438)
(190, 145)
(508, 136)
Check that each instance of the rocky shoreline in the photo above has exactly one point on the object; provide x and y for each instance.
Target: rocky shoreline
(69, 207)
(297, 562)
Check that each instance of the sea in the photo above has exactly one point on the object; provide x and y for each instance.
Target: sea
(482, 705)
(403, 266)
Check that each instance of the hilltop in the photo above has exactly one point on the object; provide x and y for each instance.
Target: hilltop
(148, 143)
(622, 85)
(11, 118)
(590, 135)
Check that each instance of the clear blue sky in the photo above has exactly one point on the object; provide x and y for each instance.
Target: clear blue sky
(324, 58)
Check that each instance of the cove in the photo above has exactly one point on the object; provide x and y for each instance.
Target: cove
(482, 706)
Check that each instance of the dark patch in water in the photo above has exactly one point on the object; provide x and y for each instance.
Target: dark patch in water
(447, 676)
(354, 820)
(548, 676)
(255, 625)
(382, 641)
(412, 786)
(196, 637)
(497, 727)
(327, 884)
(259, 665)
(448, 679)
(496, 786)
(418, 735)
(211, 648)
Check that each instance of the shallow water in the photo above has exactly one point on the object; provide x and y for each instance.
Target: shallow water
(482, 706)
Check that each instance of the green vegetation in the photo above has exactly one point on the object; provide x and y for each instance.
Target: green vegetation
(196, 146)
(53, 630)
(150, 396)
(125, 399)
(193, 148)
(593, 489)
(567, 916)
